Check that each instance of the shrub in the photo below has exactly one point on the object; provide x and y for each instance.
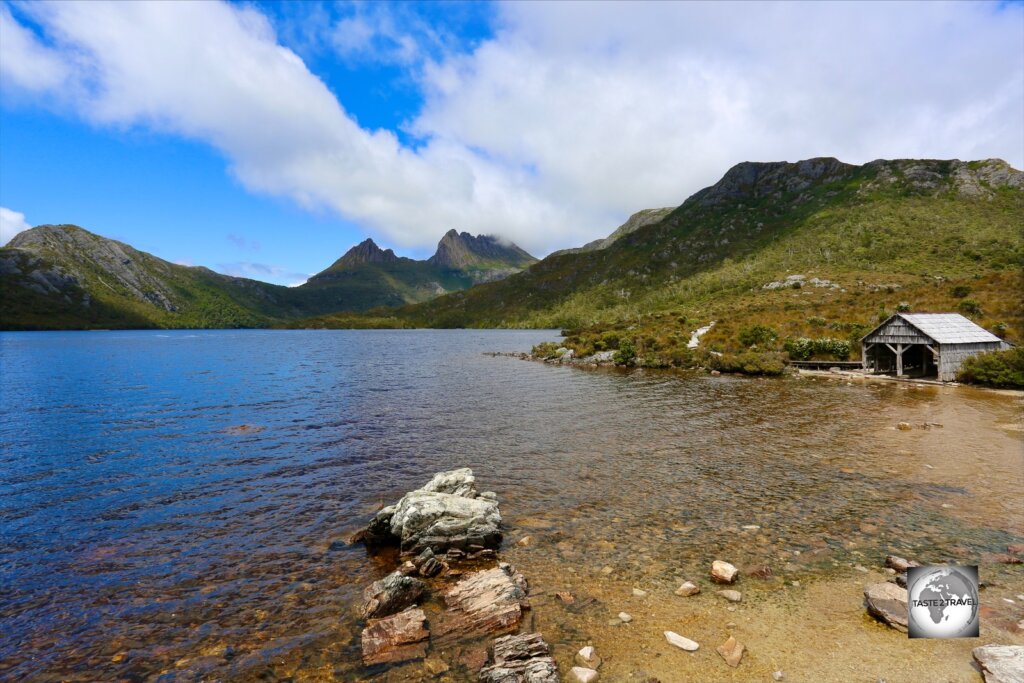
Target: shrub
(545, 350)
(902, 307)
(816, 321)
(757, 335)
(999, 329)
(960, 291)
(970, 307)
(626, 353)
(804, 348)
(750, 363)
(996, 369)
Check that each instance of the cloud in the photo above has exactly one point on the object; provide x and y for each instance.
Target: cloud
(264, 272)
(566, 121)
(11, 223)
(243, 243)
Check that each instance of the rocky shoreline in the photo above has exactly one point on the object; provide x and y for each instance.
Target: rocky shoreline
(448, 536)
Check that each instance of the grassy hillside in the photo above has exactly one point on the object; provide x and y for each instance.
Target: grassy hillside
(913, 235)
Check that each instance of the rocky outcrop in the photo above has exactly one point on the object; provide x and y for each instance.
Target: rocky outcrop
(887, 602)
(523, 658)
(1000, 663)
(394, 592)
(462, 251)
(446, 513)
(396, 638)
(486, 602)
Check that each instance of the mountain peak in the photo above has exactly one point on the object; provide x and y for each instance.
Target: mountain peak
(462, 250)
(366, 251)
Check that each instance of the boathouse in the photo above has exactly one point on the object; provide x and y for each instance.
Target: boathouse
(925, 345)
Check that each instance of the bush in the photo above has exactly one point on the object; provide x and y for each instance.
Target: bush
(757, 335)
(1003, 369)
(545, 350)
(626, 353)
(970, 307)
(816, 321)
(750, 363)
(804, 348)
(902, 307)
(960, 291)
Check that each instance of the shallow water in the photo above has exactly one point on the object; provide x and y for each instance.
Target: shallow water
(166, 495)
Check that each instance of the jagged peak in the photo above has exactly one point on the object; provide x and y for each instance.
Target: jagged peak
(463, 250)
(367, 251)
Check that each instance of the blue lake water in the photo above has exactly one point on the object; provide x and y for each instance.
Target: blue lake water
(170, 497)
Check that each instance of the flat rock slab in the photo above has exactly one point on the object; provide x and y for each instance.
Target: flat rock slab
(681, 642)
(396, 638)
(484, 603)
(732, 651)
(887, 602)
(447, 512)
(393, 593)
(1001, 663)
(523, 658)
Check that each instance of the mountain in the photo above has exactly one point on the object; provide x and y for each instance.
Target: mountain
(63, 276)
(859, 242)
(632, 224)
(484, 258)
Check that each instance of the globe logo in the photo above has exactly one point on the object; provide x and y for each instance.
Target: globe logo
(942, 602)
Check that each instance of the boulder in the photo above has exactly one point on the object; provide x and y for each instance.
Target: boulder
(396, 638)
(485, 602)
(1001, 663)
(393, 593)
(887, 602)
(732, 651)
(681, 642)
(445, 513)
(723, 572)
(523, 658)
(899, 564)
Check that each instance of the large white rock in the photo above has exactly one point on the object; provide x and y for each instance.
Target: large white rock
(1001, 663)
(679, 641)
(445, 513)
(582, 674)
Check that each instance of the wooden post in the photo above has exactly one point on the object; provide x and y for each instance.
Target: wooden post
(899, 360)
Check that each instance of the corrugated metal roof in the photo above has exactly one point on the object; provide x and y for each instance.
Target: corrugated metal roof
(949, 328)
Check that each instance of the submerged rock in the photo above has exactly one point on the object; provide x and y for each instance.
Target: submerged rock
(732, 651)
(687, 589)
(523, 658)
(445, 513)
(396, 638)
(887, 602)
(1001, 663)
(723, 572)
(393, 593)
(486, 602)
(681, 642)
(731, 596)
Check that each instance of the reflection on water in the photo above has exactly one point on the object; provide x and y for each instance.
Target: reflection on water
(174, 496)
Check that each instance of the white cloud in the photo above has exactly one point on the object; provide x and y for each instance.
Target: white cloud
(264, 272)
(11, 223)
(569, 119)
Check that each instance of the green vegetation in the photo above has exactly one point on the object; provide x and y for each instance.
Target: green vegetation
(749, 363)
(1004, 369)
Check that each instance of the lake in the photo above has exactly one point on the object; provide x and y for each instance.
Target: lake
(171, 502)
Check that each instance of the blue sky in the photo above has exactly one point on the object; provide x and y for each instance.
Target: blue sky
(264, 139)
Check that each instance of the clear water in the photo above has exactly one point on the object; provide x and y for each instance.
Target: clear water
(167, 495)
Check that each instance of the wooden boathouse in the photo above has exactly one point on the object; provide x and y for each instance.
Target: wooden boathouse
(925, 344)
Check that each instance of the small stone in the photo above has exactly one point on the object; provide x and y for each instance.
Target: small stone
(587, 657)
(723, 572)
(119, 657)
(432, 567)
(524, 541)
(778, 676)
(731, 596)
(687, 589)
(407, 568)
(435, 666)
(751, 527)
(681, 642)
(625, 618)
(904, 426)
(565, 597)
(861, 568)
(794, 584)
(898, 563)
(582, 674)
(606, 570)
(637, 593)
(732, 651)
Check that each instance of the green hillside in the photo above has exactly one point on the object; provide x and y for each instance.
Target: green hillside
(905, 234)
